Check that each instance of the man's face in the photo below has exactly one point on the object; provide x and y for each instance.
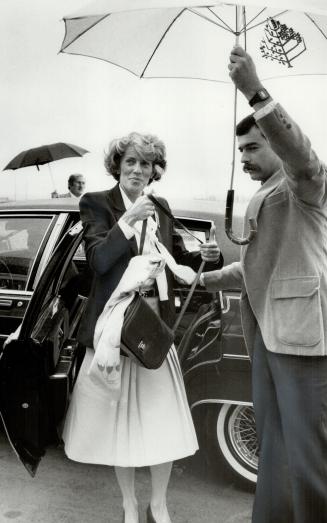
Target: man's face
(78, 186)
(258, 158)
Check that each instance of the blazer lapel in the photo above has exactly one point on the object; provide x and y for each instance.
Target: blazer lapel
(117, 206)
(262, 193)
(257, 201)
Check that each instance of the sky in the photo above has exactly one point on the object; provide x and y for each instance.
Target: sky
(48, 97)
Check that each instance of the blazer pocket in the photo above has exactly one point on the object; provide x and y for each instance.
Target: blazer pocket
(297, 311)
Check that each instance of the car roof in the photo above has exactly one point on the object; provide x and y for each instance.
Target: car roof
(55, 204)
(204, 209)
(183, 208)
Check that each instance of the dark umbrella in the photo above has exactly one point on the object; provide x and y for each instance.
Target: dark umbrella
(45, 154)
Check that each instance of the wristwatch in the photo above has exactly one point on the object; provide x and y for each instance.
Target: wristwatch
(260, 96)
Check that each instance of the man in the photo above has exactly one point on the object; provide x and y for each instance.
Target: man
(76, 187)
(283, 276)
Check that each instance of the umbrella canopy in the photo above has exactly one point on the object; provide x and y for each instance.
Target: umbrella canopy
(193, 39)
(45, 154)
(162, 39)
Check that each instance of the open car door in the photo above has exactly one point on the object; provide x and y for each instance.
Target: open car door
(37, 367)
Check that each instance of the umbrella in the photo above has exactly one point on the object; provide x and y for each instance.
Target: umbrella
(44, 155)
(192, 39)
(157, 39)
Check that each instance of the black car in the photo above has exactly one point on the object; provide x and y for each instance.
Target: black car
(44, 285)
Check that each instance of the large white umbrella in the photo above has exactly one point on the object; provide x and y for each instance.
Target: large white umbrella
(192, 39)
(152, 41)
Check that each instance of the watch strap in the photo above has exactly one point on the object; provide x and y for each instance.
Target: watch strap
(260, 96)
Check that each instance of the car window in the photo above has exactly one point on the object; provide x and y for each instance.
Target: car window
(191, 244)
(20, 240)
(198, 228)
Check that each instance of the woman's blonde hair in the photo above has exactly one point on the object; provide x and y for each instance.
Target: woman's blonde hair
(147, 146)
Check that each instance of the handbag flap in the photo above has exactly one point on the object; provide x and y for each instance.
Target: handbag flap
(145, 335)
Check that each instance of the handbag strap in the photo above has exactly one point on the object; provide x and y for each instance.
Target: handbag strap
(198, 274)
(188, 298)
(171, 216)
(142, 238)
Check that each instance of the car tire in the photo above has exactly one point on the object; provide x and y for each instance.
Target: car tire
(233, 438)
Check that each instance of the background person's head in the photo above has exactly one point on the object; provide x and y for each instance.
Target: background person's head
(135, 161)
(76, 184)
(258, 158)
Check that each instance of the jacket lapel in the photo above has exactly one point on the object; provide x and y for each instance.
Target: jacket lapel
(257, 200)
(117, 207)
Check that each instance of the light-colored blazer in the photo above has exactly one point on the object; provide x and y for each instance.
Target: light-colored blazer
(283, 271)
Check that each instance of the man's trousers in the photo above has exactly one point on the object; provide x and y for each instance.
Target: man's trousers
(290, 404)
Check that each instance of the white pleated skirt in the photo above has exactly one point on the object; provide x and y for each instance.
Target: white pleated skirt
(150, 424)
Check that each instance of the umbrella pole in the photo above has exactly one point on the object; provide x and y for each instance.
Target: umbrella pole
(52, 178)
(230, 192)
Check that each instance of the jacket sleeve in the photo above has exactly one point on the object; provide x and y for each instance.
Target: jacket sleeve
(306, 175)
(105, 242)
(230, 277)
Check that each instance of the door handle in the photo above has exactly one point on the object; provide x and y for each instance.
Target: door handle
(6, 304)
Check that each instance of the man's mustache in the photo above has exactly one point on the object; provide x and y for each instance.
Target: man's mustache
(249, 167)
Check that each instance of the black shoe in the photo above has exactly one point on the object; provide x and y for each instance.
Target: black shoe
(149, 515)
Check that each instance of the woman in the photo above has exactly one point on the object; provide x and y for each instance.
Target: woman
(150, 424)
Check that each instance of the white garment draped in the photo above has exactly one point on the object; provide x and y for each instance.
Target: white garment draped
(105, 367)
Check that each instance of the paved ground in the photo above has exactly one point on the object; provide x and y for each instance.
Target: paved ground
(68, 492)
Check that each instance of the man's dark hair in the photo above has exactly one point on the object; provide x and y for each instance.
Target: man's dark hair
(244, 126)
(72, 178)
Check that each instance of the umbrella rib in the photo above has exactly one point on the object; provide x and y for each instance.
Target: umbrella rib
(254, 18)
(184, 78)
(263, 22)
(160, 40)
(222, 21)
(80, 34)
(200, 15)
(292, 76)
(317, 26)
(103, 60)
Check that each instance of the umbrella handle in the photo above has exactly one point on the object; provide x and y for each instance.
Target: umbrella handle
(230, 193)
(229, 222)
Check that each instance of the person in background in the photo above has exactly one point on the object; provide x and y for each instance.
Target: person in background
(76, 187)
(283, 276)
(150, 424)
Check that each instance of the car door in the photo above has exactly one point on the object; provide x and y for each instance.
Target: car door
(26, 242)
(35, 368)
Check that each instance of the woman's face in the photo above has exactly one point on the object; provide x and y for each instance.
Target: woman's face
(135, 173)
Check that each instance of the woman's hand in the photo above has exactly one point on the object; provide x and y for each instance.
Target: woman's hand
(210, 251)
(157, 264)
(141, 209)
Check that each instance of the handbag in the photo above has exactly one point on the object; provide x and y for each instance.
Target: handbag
(145, 337)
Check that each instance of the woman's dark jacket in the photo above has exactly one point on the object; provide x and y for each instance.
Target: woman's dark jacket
(108, 253)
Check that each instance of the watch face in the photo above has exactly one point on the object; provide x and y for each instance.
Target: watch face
(260, 96)
(263, 94)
